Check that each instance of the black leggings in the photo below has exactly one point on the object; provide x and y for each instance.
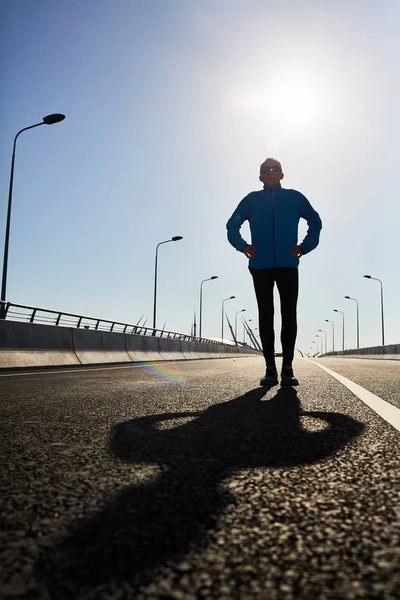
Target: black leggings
(287, 281)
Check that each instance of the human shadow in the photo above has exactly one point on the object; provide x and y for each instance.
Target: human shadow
(145, 526)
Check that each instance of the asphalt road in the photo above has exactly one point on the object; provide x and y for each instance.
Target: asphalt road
(187, 480)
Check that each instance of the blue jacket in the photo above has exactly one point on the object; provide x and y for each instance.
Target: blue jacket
(273, 215)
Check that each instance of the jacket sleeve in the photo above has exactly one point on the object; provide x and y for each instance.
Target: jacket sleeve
(240, 215)
(307, 212)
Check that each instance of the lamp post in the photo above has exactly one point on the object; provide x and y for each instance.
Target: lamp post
(319, 338)
(358, 321)
(251, 334)
(324, 332)
(176, 238)
(383, 322)
(222, 324)
(342, 313)
(333, 334)
(201, 300)
(244, 329)
(49, 120)
(236, 314)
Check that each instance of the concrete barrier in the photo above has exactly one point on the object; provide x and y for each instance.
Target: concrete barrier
(151, 345)
(389, 352)
(171, 349)
(135, 347)
(218, 351)
(188, 350)
(202, 349)
(212, 350)
(29, 345)
(97, 347)
(24, 345)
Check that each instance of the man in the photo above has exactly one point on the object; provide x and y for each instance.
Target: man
(273, 214)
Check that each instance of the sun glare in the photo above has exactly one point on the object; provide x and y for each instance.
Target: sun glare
(295, 101)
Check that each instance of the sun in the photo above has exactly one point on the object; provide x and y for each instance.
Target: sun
(294, 100)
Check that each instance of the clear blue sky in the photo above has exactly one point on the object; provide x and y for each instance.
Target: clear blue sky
(170, 108)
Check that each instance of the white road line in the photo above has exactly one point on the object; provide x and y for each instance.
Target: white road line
(388, 412)
(80, 370)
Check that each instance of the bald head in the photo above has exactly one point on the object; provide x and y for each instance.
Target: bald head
(271, 172)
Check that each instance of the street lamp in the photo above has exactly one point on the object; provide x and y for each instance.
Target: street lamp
(222, 325)
(236, 314)
(251, 334)
(324, 332)
(176, 238)
(383, 323)
(333, 334)
(49, 120)
(358, 321)
(201, 299)
(320, 338)
(244, 329)
(342, 313)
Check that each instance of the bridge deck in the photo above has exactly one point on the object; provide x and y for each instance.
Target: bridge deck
(187, 480)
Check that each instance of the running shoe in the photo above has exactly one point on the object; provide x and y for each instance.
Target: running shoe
(271, 377)
(287, 377)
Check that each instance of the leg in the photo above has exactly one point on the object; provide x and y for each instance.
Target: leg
(287, 281)
(264, 287)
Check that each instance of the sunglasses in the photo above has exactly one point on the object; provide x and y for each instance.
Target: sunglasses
(270, 170)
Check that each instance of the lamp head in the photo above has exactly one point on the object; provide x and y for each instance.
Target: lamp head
(176, 238)
(55, 118)
(348, 297)
(367, 276)
(232, 297)
(214, 277)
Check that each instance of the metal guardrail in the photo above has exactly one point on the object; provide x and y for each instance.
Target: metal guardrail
(35, 314)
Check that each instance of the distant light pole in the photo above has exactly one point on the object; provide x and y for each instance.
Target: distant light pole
(223, 314)
(201, 300)
(324, 332)
(342, 313)
(244, 329)
(333, 334)
(358, 321)
(322, 343)
(176, 238)
(236, 314)
(383, 322)
(49, 120)
(254, 332)
(251, 334)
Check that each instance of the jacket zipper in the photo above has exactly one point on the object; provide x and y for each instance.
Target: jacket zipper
(271, 192)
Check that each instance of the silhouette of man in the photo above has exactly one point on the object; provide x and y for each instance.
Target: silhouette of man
(273, 214)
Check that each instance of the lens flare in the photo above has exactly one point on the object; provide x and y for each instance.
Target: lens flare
(162, 373)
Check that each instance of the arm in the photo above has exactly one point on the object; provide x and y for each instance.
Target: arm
(307, 212)
(234, 224)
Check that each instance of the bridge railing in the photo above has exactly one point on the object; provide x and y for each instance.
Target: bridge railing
(47, 316)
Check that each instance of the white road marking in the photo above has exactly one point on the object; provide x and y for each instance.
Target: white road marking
(388, 412)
